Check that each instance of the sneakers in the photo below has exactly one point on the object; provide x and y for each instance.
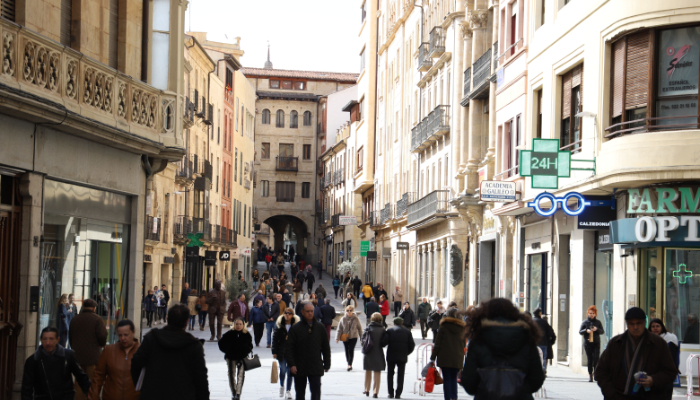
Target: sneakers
(281, 391)
(289, 395)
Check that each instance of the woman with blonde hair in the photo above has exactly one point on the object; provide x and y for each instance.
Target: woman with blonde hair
(279, 343)
(62, 319)
(374, 362)
(236, 344)
(349, 329)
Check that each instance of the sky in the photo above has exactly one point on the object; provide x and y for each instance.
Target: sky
(312, 35)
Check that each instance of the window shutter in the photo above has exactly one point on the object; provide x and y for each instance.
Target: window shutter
(618, 56)
(7, 9)
(637, 70)
(113, 32)
(66, 18)
(566, 95)
(577, 80)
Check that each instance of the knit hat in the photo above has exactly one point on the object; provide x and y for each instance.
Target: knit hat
(398, 321)
(635, 313)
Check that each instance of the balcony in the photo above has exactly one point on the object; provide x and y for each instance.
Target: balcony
(326, 214)
(424, 60)
(183, 175)
(374, 219)
(436, 124)
(246, 184)
(335, 221)
(182, 226)
(327, 180)
(430, 206)
(495, 57)
(200, 225)
(152, 229)
(437, 42)
(385, 214)
(319, 167)
(287, 163)
(255, 213)
(467, 81)
(481, 75)
(402, 204)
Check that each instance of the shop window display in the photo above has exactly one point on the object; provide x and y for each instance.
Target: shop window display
(683, 294)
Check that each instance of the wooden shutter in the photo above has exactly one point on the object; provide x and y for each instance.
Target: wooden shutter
(114, 33)
(66, 18)
(618, 58)
(637, 81)
(577, 80)
(7, 9)
(566, 95)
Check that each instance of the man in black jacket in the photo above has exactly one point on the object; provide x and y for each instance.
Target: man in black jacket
(185, 293)
(173, 360)
(356, 286)
(372, 307)
(308, 353)
(310, 280)
(548, 337)
(401, 344)
(271, 310)
(47, 373)
(328, 314)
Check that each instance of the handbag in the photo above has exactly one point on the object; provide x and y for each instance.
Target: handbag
(273, 373)
(198, 307)
(344, 337)
(367, 343)
(438, 377)
(251, 362)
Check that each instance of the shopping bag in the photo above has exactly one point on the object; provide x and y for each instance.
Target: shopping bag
(274, 372)
(430, 380)
(251, 362)
(424, 371)
(438, 377)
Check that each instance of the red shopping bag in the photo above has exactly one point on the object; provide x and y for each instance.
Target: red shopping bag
(430, 380)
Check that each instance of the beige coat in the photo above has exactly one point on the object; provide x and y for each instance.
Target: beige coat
(350, 325)
(191, 302)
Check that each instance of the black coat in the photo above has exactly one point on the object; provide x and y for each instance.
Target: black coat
(502, 340)
(271, 311)
(301, 277)
(548, 337)
(308, 349)
(310, 279)
(56, 370)
(174, 361)
(236, 345)
(449, 343)
(356, 283)
(279, 336)
(409, 317)
(587, 324)
(327, 314)
(299, 308)
(400, 344)
(372, 307)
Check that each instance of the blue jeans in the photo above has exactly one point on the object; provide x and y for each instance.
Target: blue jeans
(192, 321)
(269, 326)
(284, 368)
(449, 376)
(544, 357)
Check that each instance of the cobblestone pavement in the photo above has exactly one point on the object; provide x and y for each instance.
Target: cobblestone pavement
(341, 384)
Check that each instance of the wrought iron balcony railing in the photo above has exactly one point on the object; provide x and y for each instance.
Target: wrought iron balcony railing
(326, 214)
(201, 225)
(437, 42)
(495, 56)
(182, 226)
(402, 204)
(287, 163)
(374, 218)
(435, 202)
(386, 213)
(424, 60)
(467, 81)
(184, 170)
(482, 70)
(439, 121)
(152, 228)
(335, 220)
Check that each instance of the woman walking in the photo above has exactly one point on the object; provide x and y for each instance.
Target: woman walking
(297, 289)
(349, 329)
(409, 317)
(149, 307)
(336, 285)
(449, 350)
(236, 344)
(383, 308)
(350, 300)
(63, 311)
(257, 320)
(192, 303)
(203, 310)
(112, 374)
(374, 362)
(591, 328)
(279, 342)
(499, 333)
(657, 327)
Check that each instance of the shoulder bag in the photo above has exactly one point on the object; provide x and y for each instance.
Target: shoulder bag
(367, 343)
(345, 336)
(251, 362)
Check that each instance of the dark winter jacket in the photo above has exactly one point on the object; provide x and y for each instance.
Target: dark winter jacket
(327, 314)
(400, 344)
(548, 337)
(423, 311)
(356, 284)
(43, 371)
(587, 324)
(372, 307)
(280, 336)
(174, 365)
(301, 277)
(434, 319)
(308, 349)
(236, 345)
(374, 360)
(449, 343)
(271, 311)
(310, 279)
(287, 298)
(409, 318)
(299, 308)
(88, 335)
(234, 311)
(502, 341)
(320, 293)
(256, 315)
(657, 362)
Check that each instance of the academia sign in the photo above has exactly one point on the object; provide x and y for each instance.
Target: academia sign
(344, 220)
(497, 191)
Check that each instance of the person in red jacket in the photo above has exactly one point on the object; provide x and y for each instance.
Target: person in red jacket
(268, 260)
(383, 309)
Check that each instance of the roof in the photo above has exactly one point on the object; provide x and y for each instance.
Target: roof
(288, 96)
(283, 73)
(348, 107)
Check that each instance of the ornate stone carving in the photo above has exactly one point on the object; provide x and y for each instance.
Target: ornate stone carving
(8, 55)
(98, 89)
(72, 79)
(466, 29)
(121, 100)
(41, 66)
(456, 265)
(143, 108)
(28, 70)
(478, 19)
(475, 215)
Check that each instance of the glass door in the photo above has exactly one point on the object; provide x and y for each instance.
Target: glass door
(682, 294)
(538, 282)
(602, 292)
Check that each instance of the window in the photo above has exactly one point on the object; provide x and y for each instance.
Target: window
(265, 188)
(229, 80)
(360, 109)
(362, 60)
(286, 84)
(299, 85)
(66, 15)
(236, 114)
(235, 166)
(307, 152)
(307, 118)
(294, 119)
(360, 159)
(364, 10)
(285, 192)
(266, 117)
(538, 99)
(265, 152)
(7, 9)
(280, 119)
(286, 150)
(274, 84)
(572, 100)
(241, 168)
(160, 42)
(242, 118)
(305, 190)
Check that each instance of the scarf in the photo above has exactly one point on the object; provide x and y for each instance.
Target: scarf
(632, 361)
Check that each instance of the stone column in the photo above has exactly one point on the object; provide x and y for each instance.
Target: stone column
(443, 270)
(491, 151)
(461, 145)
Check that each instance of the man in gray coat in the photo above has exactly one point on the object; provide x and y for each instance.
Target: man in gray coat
(400, 344)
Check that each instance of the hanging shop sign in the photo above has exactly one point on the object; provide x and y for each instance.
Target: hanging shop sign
(564, 202)
(663, 201)
(597, 218)
(497, 191)
(545, 164)
(192, 254)
(210, 257)
(658, 231)
(402, 245)
(371, 256)
(224, 255)
(345, 220)
(364, 248)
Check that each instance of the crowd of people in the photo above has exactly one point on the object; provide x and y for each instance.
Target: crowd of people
(476, 348)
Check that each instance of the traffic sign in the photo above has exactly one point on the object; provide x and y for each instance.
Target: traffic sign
(545, 164)
(341, 253)
(364, 248)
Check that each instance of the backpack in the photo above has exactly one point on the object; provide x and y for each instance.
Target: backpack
(367, 343)
(501, 381)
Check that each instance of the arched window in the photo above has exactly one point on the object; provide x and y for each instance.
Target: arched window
(266, 117)
(294, 120)
(280, 118)
(307, 118)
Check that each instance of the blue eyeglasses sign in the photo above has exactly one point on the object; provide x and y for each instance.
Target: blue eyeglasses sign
(559, 202)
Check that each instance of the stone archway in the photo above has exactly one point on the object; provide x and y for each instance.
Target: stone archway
(282, 226)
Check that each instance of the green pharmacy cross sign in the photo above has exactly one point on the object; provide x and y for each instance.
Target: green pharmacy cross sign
(195, 239)
(545, 163)
(682, 274)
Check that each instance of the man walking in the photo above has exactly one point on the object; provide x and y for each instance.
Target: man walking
(88, 336)
(548, 337)
(634, 351)
(271, 311)
(398, 300)
(401, 344)
(423, 313)
(185, 293)
(356, 286)
(327, 316)
(370, 308)
(164, 302)
(308, 354)
(216, 300)
(319, 266)
(310, 281)
(238, 308)
(171, 361)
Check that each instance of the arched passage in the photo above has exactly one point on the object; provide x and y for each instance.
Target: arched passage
(289, 230)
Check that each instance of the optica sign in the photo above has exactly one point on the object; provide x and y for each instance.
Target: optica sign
(559, 202)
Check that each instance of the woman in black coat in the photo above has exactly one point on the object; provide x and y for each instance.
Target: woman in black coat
(236, 344)
(279, 341)
(591, 327)
(409, 317)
